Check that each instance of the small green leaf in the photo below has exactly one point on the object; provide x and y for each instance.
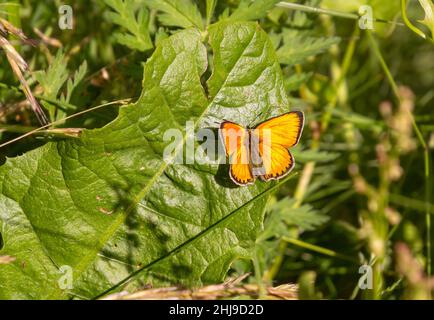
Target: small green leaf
(252, 10)
(283, 220)
(178, 13)
(304, 217)
(51, 81)
(359, 120)
(54, 77)
(125, 16)
(73, 83)
(295, 81)
(298, 47)
(307, 155)
(301, 20)
(283, 215)
(210, 6)
(106, 205)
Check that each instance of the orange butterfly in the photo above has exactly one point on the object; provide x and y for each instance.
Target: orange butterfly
(262, 151)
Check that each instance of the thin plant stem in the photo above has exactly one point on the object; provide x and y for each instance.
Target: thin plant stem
(305, 8)
(319, 249)
(258, 272)
(422, 142)
(16, 128)
(309, 167)
(122, 101)
(333, 13)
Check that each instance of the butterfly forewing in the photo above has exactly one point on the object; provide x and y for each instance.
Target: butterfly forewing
(285, 129)
(236, 141)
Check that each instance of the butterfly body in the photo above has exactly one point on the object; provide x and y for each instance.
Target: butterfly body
(262, 151)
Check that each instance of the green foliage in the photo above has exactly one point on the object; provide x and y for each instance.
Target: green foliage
(294, 82)
(118, 206)
(135, 23)
(284, 219)
(179, 13)
(283, 215)
(106, 204)
(252, 10)
(297, 47)
(210, 7)
(53, 80)
(73, 83)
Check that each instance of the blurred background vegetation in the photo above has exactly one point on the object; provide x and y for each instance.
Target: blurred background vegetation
(363, 195)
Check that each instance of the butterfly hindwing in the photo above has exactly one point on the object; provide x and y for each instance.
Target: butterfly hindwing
(235, 139)
(277, 163)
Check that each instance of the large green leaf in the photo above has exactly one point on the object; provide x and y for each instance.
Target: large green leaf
(107, 205)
